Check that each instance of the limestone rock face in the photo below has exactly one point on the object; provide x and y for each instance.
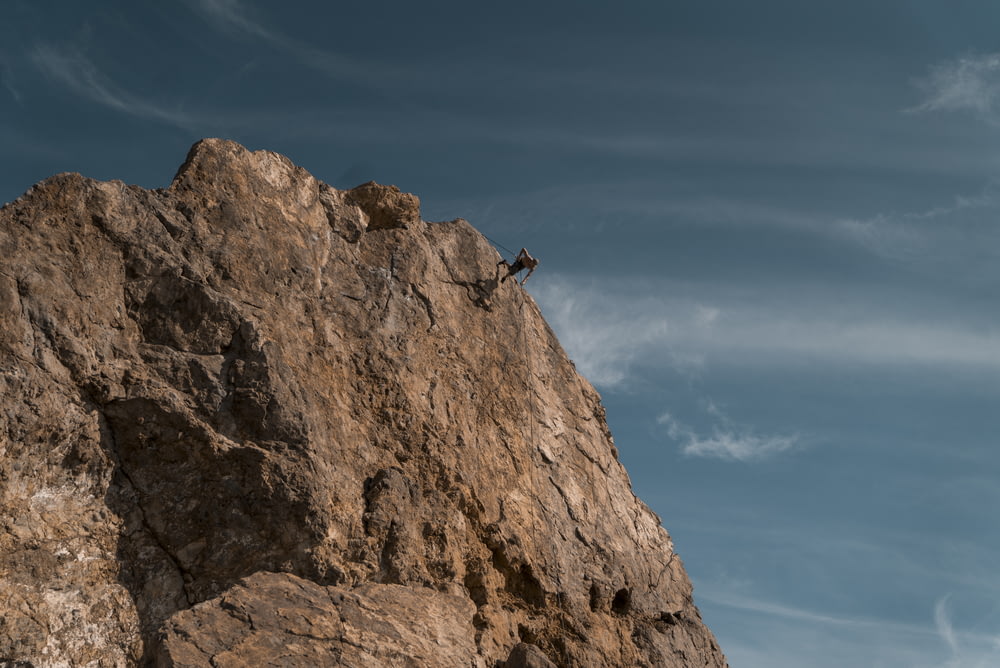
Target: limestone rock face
(250, 419)
(278, 619)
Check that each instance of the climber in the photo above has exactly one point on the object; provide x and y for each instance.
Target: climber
(521, 262)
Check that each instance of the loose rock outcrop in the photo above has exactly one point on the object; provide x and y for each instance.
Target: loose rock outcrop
(250, 419)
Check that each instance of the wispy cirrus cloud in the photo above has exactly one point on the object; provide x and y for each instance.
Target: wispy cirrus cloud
(883, 235)
(73, 70)
(969, 83)
(606, 336)
(608, 328)
(609, 337)
(596, 342)
(234, 16)
(942, 622)
(968, 649)
(750, 604)
(910, 235)
(727, 440)
(957, 236)
(855, 640)
(7, 79)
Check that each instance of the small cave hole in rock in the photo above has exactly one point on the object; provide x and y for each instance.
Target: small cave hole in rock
(595, 598)
(622, 602)
(670, 618)
(476, 587)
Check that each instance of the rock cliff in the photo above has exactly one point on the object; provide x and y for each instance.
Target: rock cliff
(250, 419)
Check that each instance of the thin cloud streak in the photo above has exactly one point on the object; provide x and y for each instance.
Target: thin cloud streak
(876, 341)
(900, 557)
(971, 83)
(916, 234)
(8, 84)
(80, 76)
(405, 85)
(942, 622)
(596, 342)
(942, 629)
(607, 329)
(606, 335)
(726, 442)
(797, 614)
(233, 16)
(958, 237)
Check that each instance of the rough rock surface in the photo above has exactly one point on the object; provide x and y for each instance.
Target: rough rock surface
(251, 419)
(278, 619)
(525, 655)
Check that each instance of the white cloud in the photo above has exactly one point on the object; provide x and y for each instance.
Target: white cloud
(957, 236)
(620, 338)
(740, 447)
(849, 640)
(602, 342)
(727, 441)
(942, 622)
(882, 235)
(750, 604)
(916, 235)
(969, 83)
(606, 335)
(878, 340)
(231, 14)
(705, 316)
(77, 73)
(608, 329)
(968, 649)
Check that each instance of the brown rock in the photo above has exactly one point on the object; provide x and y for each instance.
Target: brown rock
(252, 418)
(525, 655)
(278, 619)
(385, 206)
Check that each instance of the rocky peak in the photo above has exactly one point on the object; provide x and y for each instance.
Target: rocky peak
(250, 418)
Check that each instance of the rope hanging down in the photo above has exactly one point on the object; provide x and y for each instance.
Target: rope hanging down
(532, 415)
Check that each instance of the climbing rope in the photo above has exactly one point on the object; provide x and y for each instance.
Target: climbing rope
(501, 246)
(531, 414)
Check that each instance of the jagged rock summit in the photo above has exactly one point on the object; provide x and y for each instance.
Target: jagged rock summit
(250, 419)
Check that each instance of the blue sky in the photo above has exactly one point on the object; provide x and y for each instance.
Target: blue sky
(769, 234)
